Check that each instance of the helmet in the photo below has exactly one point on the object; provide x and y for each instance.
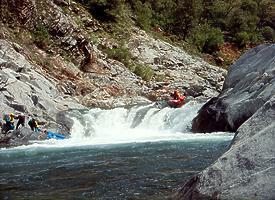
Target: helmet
(11, 114)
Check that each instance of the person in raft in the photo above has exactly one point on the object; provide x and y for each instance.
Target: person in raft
(177, 99)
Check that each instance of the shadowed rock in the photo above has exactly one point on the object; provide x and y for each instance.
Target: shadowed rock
(249, 84)
(247, 104)
(247, 169)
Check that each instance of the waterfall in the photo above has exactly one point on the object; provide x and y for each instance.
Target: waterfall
(143, 123)
(137, 124)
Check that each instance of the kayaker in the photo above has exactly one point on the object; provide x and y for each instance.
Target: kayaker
(177, 99)
(177, 96)
(9, 122)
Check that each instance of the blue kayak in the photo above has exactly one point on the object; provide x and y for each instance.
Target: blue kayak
(52, 135)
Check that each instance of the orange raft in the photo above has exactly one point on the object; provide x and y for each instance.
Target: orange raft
(176, 103)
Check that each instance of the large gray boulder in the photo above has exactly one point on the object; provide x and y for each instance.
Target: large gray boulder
(18, 137)
(247, 169)
(247, 106)
(249, 84)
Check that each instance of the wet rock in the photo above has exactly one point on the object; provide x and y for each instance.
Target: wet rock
(24, 136)
(18, 137)
(63, 118)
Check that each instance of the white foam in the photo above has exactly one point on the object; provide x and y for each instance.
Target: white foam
(135, 125)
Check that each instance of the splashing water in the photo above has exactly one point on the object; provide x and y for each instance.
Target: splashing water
(138, 153)
(135, 125)
(138, 124)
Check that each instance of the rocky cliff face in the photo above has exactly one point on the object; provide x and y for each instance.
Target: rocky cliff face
(50, 62)
(247, 103)
(179, 69)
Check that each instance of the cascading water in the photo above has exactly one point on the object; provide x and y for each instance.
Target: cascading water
(138, 124)
(142, 152)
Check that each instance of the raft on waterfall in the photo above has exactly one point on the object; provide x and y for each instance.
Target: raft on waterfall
(176, 103)
(177, 100)
(172, 103)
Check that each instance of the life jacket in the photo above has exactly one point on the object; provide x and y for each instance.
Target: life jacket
(11, 118)
(182, 98)
(35, 124)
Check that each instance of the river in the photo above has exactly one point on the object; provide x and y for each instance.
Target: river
(141, 152)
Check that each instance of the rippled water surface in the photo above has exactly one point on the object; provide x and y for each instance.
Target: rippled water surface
(122, 171)
(139, 153)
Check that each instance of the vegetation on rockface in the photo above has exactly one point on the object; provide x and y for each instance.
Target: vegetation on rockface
(206, 38)
(123, 55)
(41, 36)
(145, 72)
(206, 24)
(211, 26)
(104, 10)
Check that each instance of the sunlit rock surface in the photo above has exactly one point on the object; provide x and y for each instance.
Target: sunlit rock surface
(247, 103)
(249, 85)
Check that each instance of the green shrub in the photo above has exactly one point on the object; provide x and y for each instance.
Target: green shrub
(41, 36)
(159, 77)
(242, 39)
(121, 54)
(144, 15)
(206, 38)
(94, 39)
(145, 72)
(268, 33)
(255, 37)
(105, 10)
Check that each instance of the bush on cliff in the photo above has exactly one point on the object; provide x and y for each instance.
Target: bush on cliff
(206, 38)
(121, 54)
(41, 36)
(144, 71)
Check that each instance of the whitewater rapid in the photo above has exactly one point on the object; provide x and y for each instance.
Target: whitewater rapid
(137, 124)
